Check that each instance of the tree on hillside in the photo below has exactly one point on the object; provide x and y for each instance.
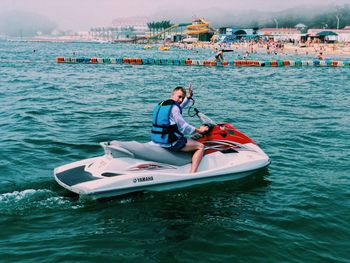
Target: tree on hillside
(156, 27)
(331, 17)
(313, 17)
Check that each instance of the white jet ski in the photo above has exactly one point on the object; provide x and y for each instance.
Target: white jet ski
(132, 166)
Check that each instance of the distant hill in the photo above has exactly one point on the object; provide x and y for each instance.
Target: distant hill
(20, 23)
(311, 16)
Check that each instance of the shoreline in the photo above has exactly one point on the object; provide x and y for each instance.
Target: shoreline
(311, 49)
(314, 49)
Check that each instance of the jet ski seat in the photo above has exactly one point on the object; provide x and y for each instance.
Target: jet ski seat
(147, 152)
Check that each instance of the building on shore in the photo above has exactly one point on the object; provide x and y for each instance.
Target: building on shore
(280, 34)
(231, 34)
(122, 29)
(330, 35)
(132, 27)
(228, 34)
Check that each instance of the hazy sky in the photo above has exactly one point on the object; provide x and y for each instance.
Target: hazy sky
(84, 14)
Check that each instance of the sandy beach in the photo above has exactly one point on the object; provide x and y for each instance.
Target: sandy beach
(317, 50)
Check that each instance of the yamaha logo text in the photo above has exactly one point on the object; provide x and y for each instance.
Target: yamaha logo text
(143, 179)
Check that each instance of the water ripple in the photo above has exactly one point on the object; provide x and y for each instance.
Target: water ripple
(52, 114)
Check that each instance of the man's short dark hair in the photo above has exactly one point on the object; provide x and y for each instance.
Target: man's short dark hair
(180, 88)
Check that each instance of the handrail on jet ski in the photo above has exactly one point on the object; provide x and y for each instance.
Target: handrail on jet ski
(107, 146)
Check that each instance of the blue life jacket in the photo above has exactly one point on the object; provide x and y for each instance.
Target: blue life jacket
(162, 131)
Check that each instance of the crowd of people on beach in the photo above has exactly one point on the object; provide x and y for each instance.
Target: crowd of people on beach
(244, 49)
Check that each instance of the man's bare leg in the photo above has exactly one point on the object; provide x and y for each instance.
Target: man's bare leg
(198, 149)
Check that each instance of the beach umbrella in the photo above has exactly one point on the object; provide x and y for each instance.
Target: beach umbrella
(326, 33)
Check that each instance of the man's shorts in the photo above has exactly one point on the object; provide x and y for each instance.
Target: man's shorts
(178, 145)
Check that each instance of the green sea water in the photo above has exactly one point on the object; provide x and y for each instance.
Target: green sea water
(298, 210)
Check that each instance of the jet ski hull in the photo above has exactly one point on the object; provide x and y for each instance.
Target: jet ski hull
(106, 176)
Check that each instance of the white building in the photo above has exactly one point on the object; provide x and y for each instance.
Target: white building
(121, 29)
(284, 34)
(130, 27)
(342, 35)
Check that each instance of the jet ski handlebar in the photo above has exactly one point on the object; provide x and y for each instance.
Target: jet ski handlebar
(202, 117)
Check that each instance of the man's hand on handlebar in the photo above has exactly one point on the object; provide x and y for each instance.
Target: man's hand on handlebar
(202, 129)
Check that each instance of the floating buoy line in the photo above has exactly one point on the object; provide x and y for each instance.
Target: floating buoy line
(193, 62)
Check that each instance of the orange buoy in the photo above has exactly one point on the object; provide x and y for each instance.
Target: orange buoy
(206, 63)
(126, 60)
(60, 59)
(273, 63)
(250, 62)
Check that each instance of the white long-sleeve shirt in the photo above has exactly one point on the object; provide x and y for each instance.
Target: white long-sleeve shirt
(176, 118)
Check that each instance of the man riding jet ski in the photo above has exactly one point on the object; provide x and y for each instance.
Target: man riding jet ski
(221, 152)
(169, 126)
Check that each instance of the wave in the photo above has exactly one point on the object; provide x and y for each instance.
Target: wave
(23, 202)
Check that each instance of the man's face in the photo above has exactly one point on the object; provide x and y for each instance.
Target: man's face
(178, 96)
